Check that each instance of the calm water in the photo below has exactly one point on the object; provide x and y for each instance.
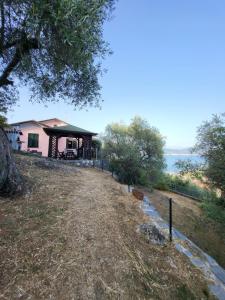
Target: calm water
(171, 159)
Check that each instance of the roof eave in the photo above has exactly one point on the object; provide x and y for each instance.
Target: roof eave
(59, 131)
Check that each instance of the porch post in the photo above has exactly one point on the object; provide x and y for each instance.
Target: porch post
(84, 147)
(78, 147)
(50, 146)
(87, 146)
(53, 146)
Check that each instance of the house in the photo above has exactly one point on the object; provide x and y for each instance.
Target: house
(13, 134)
(52, 138)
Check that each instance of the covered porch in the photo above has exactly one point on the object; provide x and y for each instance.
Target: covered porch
(69, 142)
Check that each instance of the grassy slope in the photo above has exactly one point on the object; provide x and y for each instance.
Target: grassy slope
(190, 219)
(74, 235)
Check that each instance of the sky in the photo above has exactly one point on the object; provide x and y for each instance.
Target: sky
(167, 66)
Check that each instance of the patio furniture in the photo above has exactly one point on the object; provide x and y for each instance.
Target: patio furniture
(70, 154)
(61, 155)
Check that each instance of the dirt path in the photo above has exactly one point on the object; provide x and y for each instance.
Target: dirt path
(74, 236)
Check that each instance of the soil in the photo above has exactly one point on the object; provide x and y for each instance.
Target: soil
(74, 235)
(189, 218)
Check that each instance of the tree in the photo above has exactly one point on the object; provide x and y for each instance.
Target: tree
(10, 179)
(211, 146)
(193, 169)
(150, 144)
(96, 144)
(53, 46)
(135, 151)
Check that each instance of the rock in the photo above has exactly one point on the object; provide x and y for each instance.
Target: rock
(152, 234)
(138, 194)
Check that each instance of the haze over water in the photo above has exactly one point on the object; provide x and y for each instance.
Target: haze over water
(172, 158)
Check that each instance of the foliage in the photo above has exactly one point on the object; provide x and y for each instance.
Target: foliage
(195, 170)
(135, 151)
(3, 121)
(96, 144)
(212, 205)
(211, 145)
(178, 184)
(150, 144)
(214, 211)
(54, 46)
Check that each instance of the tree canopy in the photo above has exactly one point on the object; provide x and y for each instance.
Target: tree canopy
(211, 146)
(194, 169)
(55, 46)
(135, 151)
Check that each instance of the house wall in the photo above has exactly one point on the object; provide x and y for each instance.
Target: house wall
(13, 136)
(62, 144)
(43, 138)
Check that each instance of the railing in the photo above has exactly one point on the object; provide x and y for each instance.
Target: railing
(102, 164)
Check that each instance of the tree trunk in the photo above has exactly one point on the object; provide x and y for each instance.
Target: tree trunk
(10, 180)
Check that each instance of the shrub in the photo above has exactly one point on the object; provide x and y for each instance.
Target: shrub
(185, 186)
(214, 211)
(212, 205)
(135, 152)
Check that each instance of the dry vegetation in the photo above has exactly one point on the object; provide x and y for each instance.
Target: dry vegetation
(74, 236)
(189, 218)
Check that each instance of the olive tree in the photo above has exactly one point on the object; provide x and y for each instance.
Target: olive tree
(55, 47)
(194, 169)
(211, 146)
(135, 151)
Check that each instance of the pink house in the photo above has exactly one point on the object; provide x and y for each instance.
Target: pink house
(53, 138)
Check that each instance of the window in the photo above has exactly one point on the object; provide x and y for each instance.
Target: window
(33, 140)
(71, 144)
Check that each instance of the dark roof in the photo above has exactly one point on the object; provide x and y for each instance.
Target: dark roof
(68, 129)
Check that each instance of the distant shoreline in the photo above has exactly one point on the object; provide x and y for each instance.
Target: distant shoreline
(181, 154)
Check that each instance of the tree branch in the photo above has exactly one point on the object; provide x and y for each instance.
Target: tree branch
(9, 45)
(2, 26)
(24, 48)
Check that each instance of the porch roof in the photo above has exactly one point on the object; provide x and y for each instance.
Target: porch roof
(68, 130)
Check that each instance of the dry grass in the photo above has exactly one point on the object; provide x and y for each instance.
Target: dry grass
(189, 219)
(74, 236)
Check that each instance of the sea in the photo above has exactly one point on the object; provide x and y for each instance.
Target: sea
(170, 160)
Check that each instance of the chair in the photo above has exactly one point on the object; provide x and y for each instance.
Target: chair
(60, 155)
(70, 154)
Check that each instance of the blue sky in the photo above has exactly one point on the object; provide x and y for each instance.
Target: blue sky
(168, 67)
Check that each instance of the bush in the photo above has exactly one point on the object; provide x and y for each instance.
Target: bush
(135, 152)
(129, 171)
(212, 205)
(163, 183)
(214, 211)
(178, 184)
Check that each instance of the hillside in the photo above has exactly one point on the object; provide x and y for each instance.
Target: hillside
(179, 151)
(73, 235)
